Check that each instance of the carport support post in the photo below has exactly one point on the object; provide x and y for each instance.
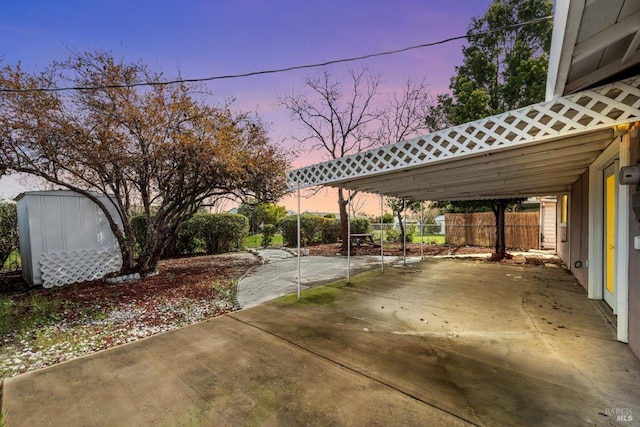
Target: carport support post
(422, 232)
(299, 254)
(349, 240)
(404, 235)
(381, 233)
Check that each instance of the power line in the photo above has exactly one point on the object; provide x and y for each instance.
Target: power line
(281, 70)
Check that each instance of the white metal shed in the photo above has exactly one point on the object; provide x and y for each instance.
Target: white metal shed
(65, 238)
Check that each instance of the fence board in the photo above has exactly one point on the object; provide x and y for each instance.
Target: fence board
(522, 229)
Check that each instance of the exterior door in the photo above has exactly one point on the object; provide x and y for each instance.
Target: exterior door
(610, 203)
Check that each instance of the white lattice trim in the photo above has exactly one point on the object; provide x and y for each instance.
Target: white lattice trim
(63, 268)
(575, 114)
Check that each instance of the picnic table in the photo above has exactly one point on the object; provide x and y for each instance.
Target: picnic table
(363, 239)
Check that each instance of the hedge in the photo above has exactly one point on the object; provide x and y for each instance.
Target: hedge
(309, 227)
(203, 232)
(8, 230)
(317, 229)
(360, 226)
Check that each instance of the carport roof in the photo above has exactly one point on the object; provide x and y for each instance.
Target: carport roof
(539, 149)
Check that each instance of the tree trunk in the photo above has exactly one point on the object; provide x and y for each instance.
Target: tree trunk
(502, 247)
(401, 230)
(344, 221)
(499, 209)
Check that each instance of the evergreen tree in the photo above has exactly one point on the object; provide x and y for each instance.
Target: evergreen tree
(504, 68)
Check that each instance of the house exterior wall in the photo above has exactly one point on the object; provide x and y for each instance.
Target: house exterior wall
(548, 221)
(573, 237)
(634, 263)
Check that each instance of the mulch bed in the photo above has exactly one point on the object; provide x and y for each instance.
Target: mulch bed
(414, 249)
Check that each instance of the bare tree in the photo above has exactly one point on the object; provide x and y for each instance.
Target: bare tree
(405, 112)
(358, 200)
(340, 118)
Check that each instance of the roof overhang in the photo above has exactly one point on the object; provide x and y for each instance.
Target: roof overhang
(539, 149)
(592, 42)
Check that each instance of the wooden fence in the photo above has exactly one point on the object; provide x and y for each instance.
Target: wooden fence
(522, 229)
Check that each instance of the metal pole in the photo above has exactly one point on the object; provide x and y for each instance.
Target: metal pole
(299, 254)
(349, 239)
(540, 223)
(404, 235)
(422, 231)
(381, 234)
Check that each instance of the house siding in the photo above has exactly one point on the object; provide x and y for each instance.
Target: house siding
(573, 238)
(634, 266)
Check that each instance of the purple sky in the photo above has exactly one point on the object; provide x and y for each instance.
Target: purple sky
(215, 37)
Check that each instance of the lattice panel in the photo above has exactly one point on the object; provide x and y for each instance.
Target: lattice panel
(64, 268)
(590, 110)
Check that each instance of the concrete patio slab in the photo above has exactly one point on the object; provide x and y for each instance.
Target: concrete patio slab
(442, 342)
(279, 276)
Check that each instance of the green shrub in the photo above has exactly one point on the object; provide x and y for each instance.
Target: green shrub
(203, 232)
(268, 231)
(386, 219)
(189, 238)
(139, 226)
(318, 229)
(393, 235)
(8, 230)
(432, 228)
(224, 232)
(360, 226)
(329, 230)
(310, 227)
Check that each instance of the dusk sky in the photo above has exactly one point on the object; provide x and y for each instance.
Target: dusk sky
(199, 39)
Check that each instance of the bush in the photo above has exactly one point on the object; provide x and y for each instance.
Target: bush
(268, 231)
(432, 228)
(310, 229)
(360, 226)
(224, 232)
(189, 239)
(139, 225)
(393, 235)
(8, 230)
(203, 232)
(386, 219)
(329, 230)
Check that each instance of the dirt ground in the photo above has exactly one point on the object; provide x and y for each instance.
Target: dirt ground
(414, 249)
(41, 327)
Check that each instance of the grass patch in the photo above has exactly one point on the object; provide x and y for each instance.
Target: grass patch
(319, 295)
(12, 263)
(255, 241)
(26, 314)
(331, 292)
(428, 239)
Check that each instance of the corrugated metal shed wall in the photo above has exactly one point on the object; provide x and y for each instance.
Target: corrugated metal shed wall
(65, 238)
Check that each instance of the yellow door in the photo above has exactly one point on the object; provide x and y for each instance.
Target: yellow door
(610, 201)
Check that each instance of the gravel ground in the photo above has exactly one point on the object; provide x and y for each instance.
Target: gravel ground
(75, 320)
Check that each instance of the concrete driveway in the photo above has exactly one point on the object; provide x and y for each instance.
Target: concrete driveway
(279, 275)
(442, 342)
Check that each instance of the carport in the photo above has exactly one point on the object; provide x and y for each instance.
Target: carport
(574, 144)
(539, 149)
(542, 149)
